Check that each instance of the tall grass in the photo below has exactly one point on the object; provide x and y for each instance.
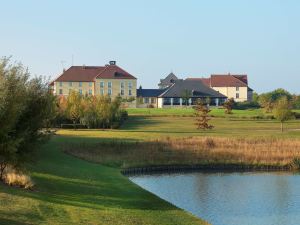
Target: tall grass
(191, 151)
(19, 179)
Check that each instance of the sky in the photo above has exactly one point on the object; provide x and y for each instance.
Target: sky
(150, 39)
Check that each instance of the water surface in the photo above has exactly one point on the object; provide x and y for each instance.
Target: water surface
(231, 198)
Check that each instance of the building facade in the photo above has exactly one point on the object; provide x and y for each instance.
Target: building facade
(232, 86)
(182, 93)
(108, 80)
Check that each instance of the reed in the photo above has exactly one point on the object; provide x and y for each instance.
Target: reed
(191, 151)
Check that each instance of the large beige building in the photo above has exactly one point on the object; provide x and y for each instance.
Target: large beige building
(97, 80)
(232, 86)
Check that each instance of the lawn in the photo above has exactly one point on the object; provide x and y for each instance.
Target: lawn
(73, 191)
(217, 112)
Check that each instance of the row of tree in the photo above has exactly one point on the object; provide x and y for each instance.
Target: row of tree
(90, 111)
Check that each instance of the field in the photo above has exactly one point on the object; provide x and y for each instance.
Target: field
(73, 191)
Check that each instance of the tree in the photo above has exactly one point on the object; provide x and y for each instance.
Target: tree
(282, 110)
(186, 95)
(228, 105)
(25, 108)
(266, 102)
(201, 114)
(75, 107)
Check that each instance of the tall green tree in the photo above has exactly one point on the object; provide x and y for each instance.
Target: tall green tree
(282, 110)
(25, 108)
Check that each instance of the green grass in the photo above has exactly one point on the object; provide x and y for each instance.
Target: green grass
(73, 191)
(183, 112)
(217, 112)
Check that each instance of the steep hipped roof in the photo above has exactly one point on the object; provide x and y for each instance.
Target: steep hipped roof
(114, 72)
(149, 92)
(220, 80)
(206, 81)
(197, 87)
(90, 73)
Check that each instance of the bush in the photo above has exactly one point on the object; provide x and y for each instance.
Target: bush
(13, 178)
(246, 105)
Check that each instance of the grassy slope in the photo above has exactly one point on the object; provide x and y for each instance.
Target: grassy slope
(72, 191)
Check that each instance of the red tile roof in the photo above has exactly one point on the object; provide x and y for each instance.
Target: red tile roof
(221, 80)
(114, 72)
(90, 73)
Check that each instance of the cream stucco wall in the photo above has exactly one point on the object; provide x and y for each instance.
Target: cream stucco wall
(94, 88)
(66, 87)
(231, 92)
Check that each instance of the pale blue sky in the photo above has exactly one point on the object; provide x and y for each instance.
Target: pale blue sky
(151, 38)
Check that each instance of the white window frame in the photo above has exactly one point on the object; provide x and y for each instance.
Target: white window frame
(60, 84)
(101, 91)
(70, 84)
(80, 91)
(109, 92)
(130, 92)
(90, 92)
(109, 84)
(80, 84)
(102, 84)
(129, 84)
(90, 84)
(61, 92)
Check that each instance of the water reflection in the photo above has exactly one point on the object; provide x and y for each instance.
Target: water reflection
(231, 198)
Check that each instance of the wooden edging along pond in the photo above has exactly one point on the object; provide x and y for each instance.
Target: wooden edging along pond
(205, 168)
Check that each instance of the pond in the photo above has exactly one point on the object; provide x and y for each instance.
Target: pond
(230, 198)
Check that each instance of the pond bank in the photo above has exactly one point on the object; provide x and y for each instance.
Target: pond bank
(205, 168)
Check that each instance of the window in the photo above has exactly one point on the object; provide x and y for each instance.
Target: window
(167, 101)
(101, 84)
(90, 92)
(237, 88)
(90, 84)
(122, 92)
(80, 91)
(70, 84)
(146, 100)
(109, 92)
(80, 84)
(60, 91)
(109, 84)
(60, 84)
(129, 85)
(237, 95)
(176, 101)
(153, 100)
(101, 92)
(122, 85)
(129, 92)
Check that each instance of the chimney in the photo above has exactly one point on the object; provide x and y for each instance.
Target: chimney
(112, 63)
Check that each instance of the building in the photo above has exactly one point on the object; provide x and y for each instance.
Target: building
(167, 81)
(96, 80)
(180, 93)
(232, 86)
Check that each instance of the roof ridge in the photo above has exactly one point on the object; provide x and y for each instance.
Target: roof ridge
(105, 67)
(238, 79)
(168, 89)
